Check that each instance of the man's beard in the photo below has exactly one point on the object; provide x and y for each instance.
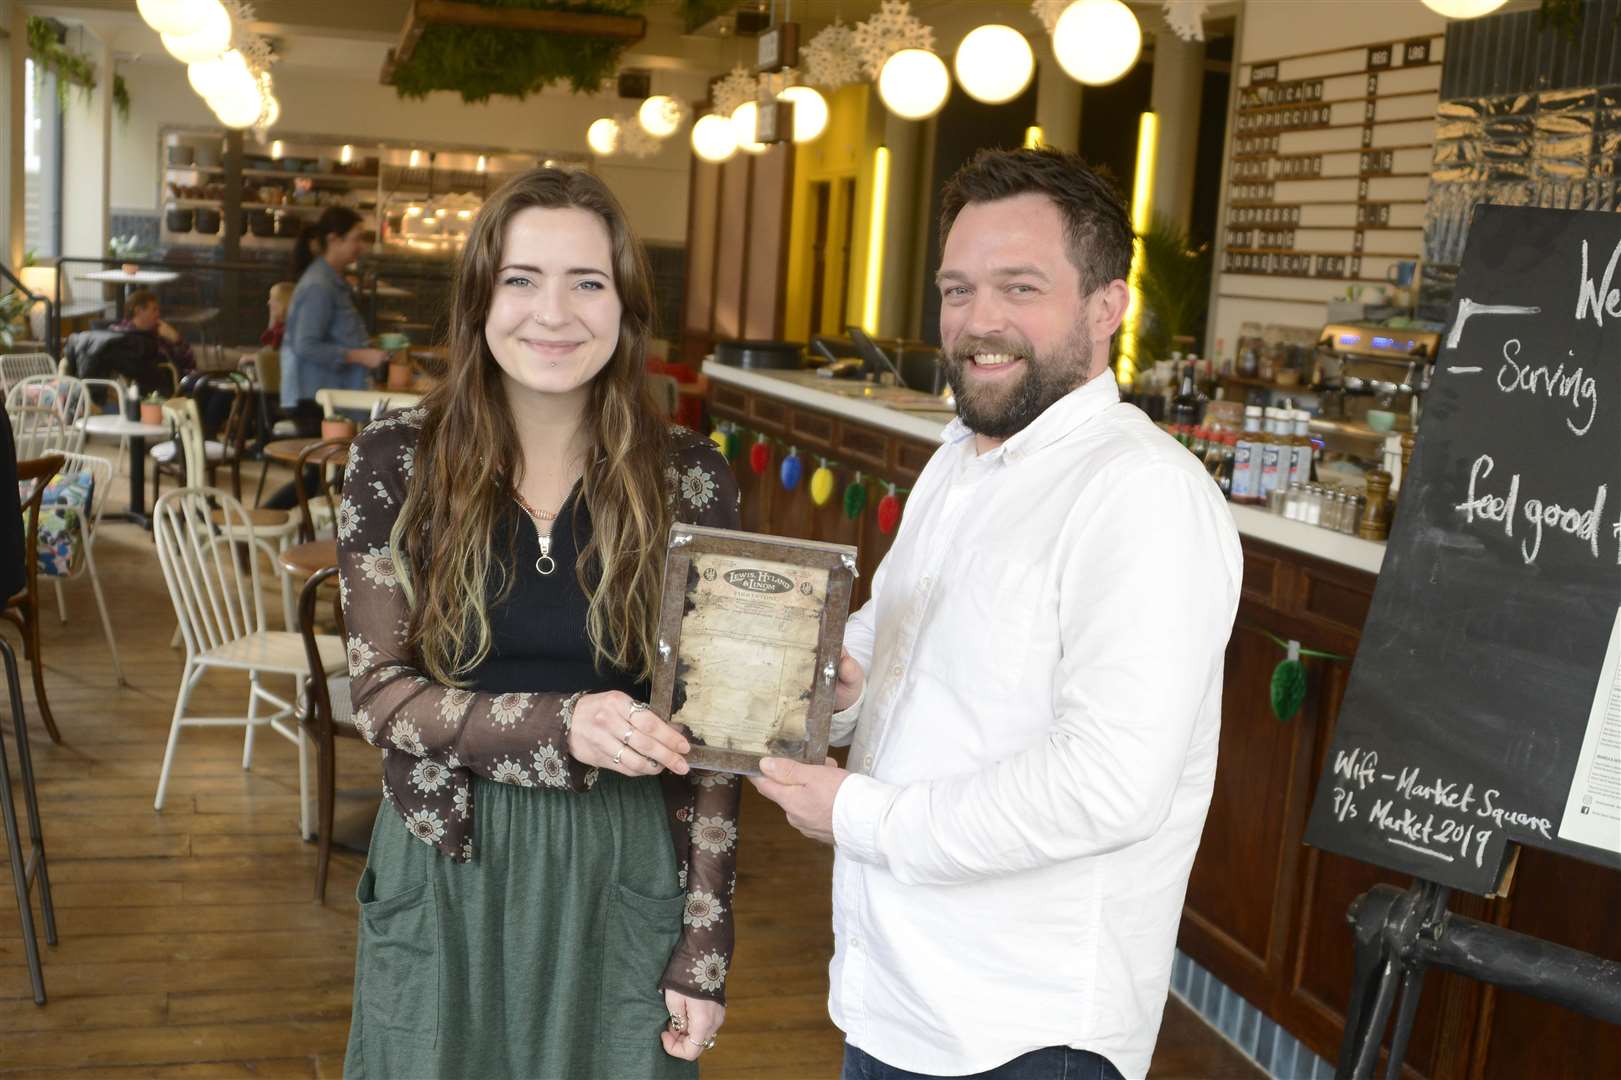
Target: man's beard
(1001, 411)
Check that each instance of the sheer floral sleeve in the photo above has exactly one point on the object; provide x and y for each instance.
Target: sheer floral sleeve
(433, 737)
(703, 805)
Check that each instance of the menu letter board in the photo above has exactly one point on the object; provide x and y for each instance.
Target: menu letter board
(1484, 705)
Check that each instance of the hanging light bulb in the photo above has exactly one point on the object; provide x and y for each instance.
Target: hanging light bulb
(483, 163)
(238, 106)
(994, 64)
(275, 150)
(169, 16)
(210, 34)
(746, 127)
(603, 136)
(810, 112)
(347, 154)
(913, 84)
(1097, 41)
(660, 116)
(713, 138)
(416, 159)
(1464, 9)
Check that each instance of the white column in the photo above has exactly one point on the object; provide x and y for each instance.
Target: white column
(1175, 98)
(1058, 100)
(87, 128)
(13, 53)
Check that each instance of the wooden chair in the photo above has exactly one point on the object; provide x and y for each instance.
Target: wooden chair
(217, 601)
(25, 872)
(327, 718)
(373, 403)
(318, 510)
(23, 609)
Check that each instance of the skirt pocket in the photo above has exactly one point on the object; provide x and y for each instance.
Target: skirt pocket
(642, 932)
(397, 968)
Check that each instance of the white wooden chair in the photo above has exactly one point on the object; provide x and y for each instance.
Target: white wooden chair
(31, 397)
(79, 524)
(373, 403)
(279, 528)
(216, 596)
(117, 390)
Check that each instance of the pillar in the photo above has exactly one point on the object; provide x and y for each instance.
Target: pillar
(87, 128)
(1175, 98)
(1058, 100)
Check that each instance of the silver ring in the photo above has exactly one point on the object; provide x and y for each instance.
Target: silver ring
(625, 738)
(619, 755)
(637, 706)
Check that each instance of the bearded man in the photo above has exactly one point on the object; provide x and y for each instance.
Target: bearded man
(1034, 689)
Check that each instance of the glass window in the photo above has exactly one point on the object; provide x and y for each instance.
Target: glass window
(42, 163)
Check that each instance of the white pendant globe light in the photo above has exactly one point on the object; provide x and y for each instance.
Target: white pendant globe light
(660, 116)
(1464, 9)
(810, 112)
(913, 84)
(713, 138)
(219, 76)
(603, 136)
(746, 127)
(210, 35)
(239, 106)
(1097, 41)
(994, 64)
(169, 16)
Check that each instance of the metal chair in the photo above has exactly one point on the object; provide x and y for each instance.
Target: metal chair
(31, 398)
(18, 366)
(222, 622)
(84, 525)
(328, 718)
(23, 609)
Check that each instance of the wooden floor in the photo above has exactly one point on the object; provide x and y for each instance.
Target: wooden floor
(190, 946)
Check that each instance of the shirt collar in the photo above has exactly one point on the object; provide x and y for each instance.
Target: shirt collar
(1061, 417)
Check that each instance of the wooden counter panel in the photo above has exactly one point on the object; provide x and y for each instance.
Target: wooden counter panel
(1261, 574)
(861, 445)
(910, 457)
(729, 398)
(1334, 598)
(811, 429)
(769, 415)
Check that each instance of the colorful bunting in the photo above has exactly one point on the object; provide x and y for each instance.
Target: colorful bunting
(791, 470)
(889, 511)
(821, 485)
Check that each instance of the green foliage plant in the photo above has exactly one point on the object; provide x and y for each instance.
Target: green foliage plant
(1175, 283)
(484, 62)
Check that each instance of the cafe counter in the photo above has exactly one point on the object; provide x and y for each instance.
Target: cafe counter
(1264, 914)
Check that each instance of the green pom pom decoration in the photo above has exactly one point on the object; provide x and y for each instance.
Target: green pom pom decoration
(855, 499)
(1288, 689)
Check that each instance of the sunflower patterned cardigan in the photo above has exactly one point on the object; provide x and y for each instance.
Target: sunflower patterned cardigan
(435, 737)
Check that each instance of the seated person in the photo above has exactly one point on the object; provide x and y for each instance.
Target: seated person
(143, 315)
(281, 297)
(115, 354)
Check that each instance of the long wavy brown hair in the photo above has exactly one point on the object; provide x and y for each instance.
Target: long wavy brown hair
(468, 458)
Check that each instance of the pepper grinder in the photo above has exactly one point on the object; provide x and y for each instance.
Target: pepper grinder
(1376, 515)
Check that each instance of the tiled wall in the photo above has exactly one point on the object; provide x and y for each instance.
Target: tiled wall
(1259, 1037)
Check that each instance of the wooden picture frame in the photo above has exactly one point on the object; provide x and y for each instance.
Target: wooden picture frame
(751, 628)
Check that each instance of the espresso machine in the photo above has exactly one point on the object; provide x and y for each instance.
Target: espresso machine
(1364, 369)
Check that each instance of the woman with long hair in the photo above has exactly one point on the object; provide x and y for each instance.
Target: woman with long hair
(549, 892)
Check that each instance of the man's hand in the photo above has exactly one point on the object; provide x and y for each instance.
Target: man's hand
(805, 792)
(167, 332)
(851, 680)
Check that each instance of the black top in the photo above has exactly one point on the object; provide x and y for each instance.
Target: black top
(12, 576)
(538, 639)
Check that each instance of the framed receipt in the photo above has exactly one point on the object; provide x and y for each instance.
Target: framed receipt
(750, 631)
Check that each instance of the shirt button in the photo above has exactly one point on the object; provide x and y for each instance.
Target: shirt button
(866, 762)
(925, 581)
(895, 671)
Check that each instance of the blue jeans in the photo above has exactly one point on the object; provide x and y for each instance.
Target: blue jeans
(1048, 1063)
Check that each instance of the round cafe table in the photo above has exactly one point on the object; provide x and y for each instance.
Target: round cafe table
(117, 426)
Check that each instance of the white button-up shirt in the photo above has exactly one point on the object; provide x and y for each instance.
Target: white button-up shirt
(1035, 744)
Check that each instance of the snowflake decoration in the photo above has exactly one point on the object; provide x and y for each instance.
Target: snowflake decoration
(892, 29)
(1186, 18)
(1048, 11)
(830, 57)
(634, 139)
(738, 86)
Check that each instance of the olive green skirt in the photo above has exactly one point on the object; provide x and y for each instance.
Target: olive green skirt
(539, 959)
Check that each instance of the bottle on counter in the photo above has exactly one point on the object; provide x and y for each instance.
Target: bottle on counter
(1229, 454)
(1300, 455)
(1185, 405)
(1246, 482)
(1273, 448)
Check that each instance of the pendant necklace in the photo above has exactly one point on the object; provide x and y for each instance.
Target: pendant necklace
(545, 564)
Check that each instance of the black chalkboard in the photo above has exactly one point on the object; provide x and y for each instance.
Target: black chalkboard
(1487, 667)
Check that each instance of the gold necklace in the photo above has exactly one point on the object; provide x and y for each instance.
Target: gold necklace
(545, 564)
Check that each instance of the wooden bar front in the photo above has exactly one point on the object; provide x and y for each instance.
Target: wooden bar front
(1264, 913)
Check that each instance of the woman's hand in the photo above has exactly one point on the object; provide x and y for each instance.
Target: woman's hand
(367, 358)
(693, 1023)
(613, 732)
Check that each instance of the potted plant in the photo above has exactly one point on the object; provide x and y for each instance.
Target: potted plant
(152, 409)
(337, 427)
(127, 248)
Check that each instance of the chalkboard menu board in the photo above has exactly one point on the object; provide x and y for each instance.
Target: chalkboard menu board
(1484, 705)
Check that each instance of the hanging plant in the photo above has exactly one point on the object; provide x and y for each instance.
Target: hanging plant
(121, 97)
(481, 62)
(70, 68)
